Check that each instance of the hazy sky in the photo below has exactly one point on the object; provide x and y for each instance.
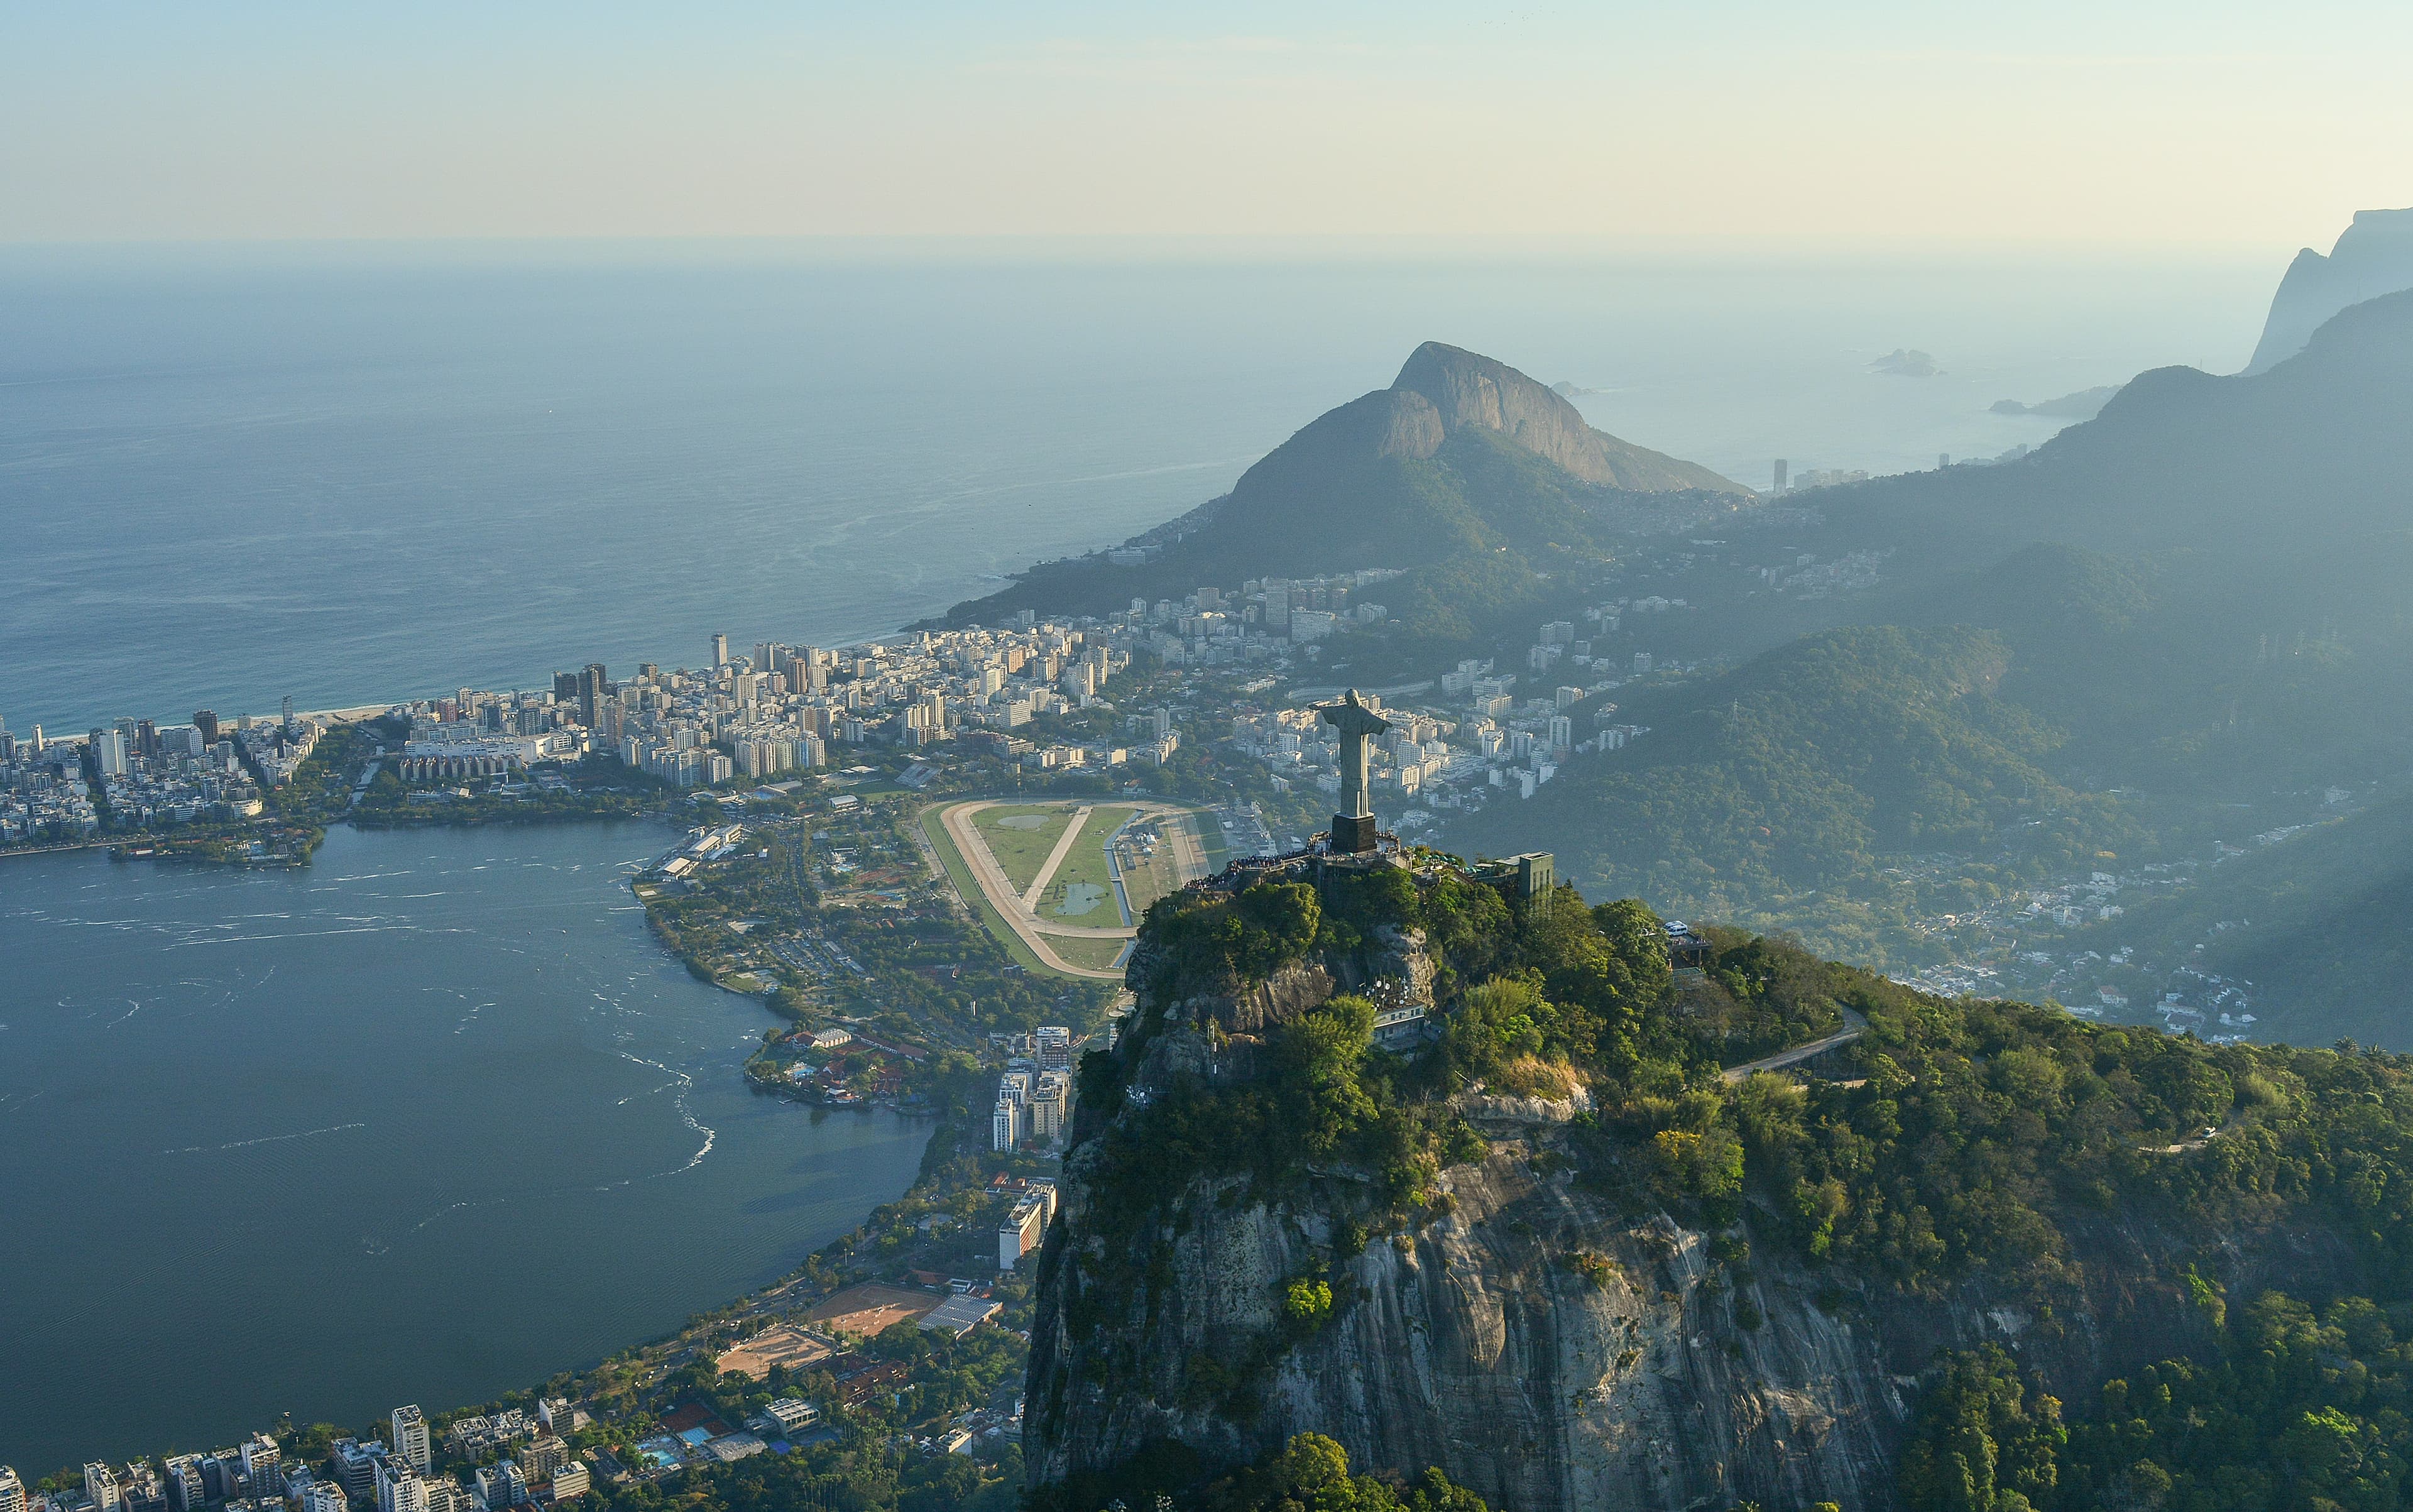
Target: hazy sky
(2133, 120)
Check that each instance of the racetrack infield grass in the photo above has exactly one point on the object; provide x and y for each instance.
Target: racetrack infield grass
(1084, 866)
(960, 873)
(1096, 955)
(1021, 836)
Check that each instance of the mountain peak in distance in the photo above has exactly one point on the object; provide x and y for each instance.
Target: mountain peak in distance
(1462, 458)
(2372, 257)
(1468, 390)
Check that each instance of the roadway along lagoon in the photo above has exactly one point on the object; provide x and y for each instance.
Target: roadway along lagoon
(424, 1121)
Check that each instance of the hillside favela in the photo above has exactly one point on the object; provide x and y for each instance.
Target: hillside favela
(1282, 760)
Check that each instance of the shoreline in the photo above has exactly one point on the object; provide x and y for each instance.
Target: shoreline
(791, 1267)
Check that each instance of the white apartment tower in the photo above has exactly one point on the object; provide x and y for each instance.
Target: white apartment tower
(12, 1491)
(1054, 1042)
(411, 1437)
(398, 1485)
(101, 1487)
(261, 1457)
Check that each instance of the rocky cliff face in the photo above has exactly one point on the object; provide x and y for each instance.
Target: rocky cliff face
(1466, 390)
(2372, 257)
(1542, 1348)
(1543, 1340)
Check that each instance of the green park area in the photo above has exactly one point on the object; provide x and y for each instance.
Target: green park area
(1021, 836)
(1081, 891)
(1086, 951)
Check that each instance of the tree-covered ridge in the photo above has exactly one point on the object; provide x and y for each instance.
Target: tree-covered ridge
(1798, 781)
(1533, 995)
(1952, 1150)
(1977, 1131)
(2303, 1409)
(2182, 458)
(1964, 1138)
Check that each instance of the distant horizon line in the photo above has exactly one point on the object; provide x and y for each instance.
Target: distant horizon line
(1218, 246)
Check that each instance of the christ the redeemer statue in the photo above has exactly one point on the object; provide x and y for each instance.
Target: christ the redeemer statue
(1353, 827)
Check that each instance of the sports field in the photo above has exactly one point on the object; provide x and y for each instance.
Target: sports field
(1022, 836)
(864, 1311)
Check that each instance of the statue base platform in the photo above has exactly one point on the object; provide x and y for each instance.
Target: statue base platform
(1352, 835)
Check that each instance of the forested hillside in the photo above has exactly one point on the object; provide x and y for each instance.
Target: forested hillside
(1799, 787)
(1275, 1227)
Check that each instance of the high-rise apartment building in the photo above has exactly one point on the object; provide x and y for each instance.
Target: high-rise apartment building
(398, 1485)
(355, 1464)
(500, 1485)
(108, 747)
(184, 1488)
(261, 1457)
(1053, 1046)
(12, 1491)
(593, 688)
(720, 650)
(544, 1454)
(101, 1487)
(410, 1438)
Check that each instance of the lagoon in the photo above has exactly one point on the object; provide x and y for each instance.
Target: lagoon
(425, 1121)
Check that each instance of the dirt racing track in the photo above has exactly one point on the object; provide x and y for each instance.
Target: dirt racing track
(1019, 907)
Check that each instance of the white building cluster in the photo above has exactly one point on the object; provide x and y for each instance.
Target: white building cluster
(1504, 743)
(1264, 620)
(147, 775)
(1034, 1097)
(275, 748)
(784, 708)
(1025, 1225)
(465, 749)
(355, 1477)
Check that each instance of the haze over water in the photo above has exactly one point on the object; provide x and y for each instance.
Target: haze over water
(426, 1121)
(367, 473)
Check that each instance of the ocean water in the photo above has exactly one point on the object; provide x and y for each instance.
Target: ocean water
(358, 474)
(426, 1121)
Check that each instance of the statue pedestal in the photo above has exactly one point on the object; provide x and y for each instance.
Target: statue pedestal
(1353, 836)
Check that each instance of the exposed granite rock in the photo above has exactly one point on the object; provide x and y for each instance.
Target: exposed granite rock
(1251, 1008)
(1474, 1344)
(1397, 960)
